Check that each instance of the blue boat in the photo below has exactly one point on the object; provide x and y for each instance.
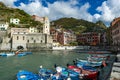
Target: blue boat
(25, 53)
(21, 54)
(26, 75)
(3, 54)
(7, 54)
(82, 63)
(46, 73)
(65, 73)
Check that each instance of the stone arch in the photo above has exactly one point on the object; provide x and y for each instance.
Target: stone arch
(20, 47)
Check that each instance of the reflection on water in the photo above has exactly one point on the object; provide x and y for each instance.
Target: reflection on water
(9, 66)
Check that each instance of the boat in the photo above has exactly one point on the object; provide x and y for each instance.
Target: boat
(84, 74)
(82, 63)
(65, 73)
(25, 53)
(46, 73)
(21, 54)
(3, 54)
(7, 54)
(27, 75)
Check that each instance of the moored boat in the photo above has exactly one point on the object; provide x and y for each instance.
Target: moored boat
(84, 74)
(82, 63)
(27, 75)
(7, 54)
(67, 73)
(21, 54)
(46, 73)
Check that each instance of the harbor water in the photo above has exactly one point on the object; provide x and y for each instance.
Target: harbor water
(9, 66)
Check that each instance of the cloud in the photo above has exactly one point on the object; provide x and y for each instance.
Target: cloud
(34, 7)
(108, 11)
(58, 9)
(9, 2)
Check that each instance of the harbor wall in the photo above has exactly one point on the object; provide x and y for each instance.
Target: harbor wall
(115, 73)
(69, 47)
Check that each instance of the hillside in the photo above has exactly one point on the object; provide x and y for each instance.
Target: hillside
(79, 25)
(6, 13)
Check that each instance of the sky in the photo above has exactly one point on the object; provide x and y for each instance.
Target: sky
(90, 10)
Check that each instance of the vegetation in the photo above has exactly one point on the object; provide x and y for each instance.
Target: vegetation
(73, 43)
(79, 25)
(6, 13)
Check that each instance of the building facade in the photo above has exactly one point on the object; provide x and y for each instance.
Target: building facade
(3, 26)
(21, 37)
(18, 36)
(115, 31)
(103, 38)
(54, 34)
(45, 21)
(14, 21)
(90, 38)
(62, 37)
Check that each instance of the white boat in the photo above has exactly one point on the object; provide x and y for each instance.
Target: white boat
(10, 54)
(7, 54)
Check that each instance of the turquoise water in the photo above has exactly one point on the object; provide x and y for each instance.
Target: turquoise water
(9, 66)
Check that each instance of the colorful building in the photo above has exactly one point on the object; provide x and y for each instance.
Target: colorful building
(62, 36)
(115, 31)
(89, 38)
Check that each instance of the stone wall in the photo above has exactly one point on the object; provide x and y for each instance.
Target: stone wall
(115, 74)
(38, 46)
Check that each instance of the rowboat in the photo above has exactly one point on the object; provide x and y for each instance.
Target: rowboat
(7, 54)
(84, 74)
(46, 73)
(67, 73)
(82, 63)
(27, 75)
(23, 53)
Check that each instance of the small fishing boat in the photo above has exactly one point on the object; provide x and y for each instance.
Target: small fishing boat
(26, 75)
(3, 54)
(84, 74)
(25, 53)
(46, 73)
(21, 54)
(7, 54)
(82, 63)
(67, 73)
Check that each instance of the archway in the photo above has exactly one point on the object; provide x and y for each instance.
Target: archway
(20, 47)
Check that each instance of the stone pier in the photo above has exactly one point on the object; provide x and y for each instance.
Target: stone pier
(115, 74)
